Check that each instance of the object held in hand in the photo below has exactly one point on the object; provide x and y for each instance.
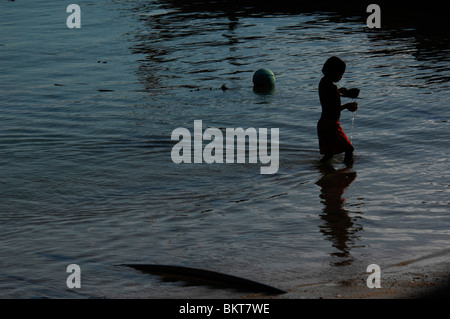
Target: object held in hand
(352, 93)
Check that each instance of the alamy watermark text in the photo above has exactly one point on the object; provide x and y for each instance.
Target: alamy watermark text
(213, 152)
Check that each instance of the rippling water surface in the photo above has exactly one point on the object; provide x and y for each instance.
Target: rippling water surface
(85, 143)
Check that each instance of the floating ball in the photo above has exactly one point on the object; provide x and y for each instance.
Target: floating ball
(263, 78)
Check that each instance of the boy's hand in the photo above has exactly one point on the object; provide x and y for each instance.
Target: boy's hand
(353, 106)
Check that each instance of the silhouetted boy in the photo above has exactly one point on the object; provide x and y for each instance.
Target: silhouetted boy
(332, 139)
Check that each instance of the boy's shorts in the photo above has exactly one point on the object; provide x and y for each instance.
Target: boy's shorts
(332, 139)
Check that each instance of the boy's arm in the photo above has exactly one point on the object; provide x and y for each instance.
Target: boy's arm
(353, 93)
(343, 91)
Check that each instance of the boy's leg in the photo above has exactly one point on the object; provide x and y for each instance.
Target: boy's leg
(348, 159)
(326, 158)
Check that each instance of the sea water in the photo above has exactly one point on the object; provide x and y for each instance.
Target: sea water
(85, 143)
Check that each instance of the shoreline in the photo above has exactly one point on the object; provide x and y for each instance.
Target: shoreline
(410, 280)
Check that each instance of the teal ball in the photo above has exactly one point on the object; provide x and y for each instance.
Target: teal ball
(263, 78)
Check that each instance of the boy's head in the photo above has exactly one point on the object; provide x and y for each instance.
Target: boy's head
(334, 68)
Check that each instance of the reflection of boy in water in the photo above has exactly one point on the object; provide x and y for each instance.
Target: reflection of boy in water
(339, 228)
(332, 139)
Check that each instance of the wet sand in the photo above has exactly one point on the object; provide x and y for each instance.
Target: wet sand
(411, 285)
(403, 281)
(426, 277)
